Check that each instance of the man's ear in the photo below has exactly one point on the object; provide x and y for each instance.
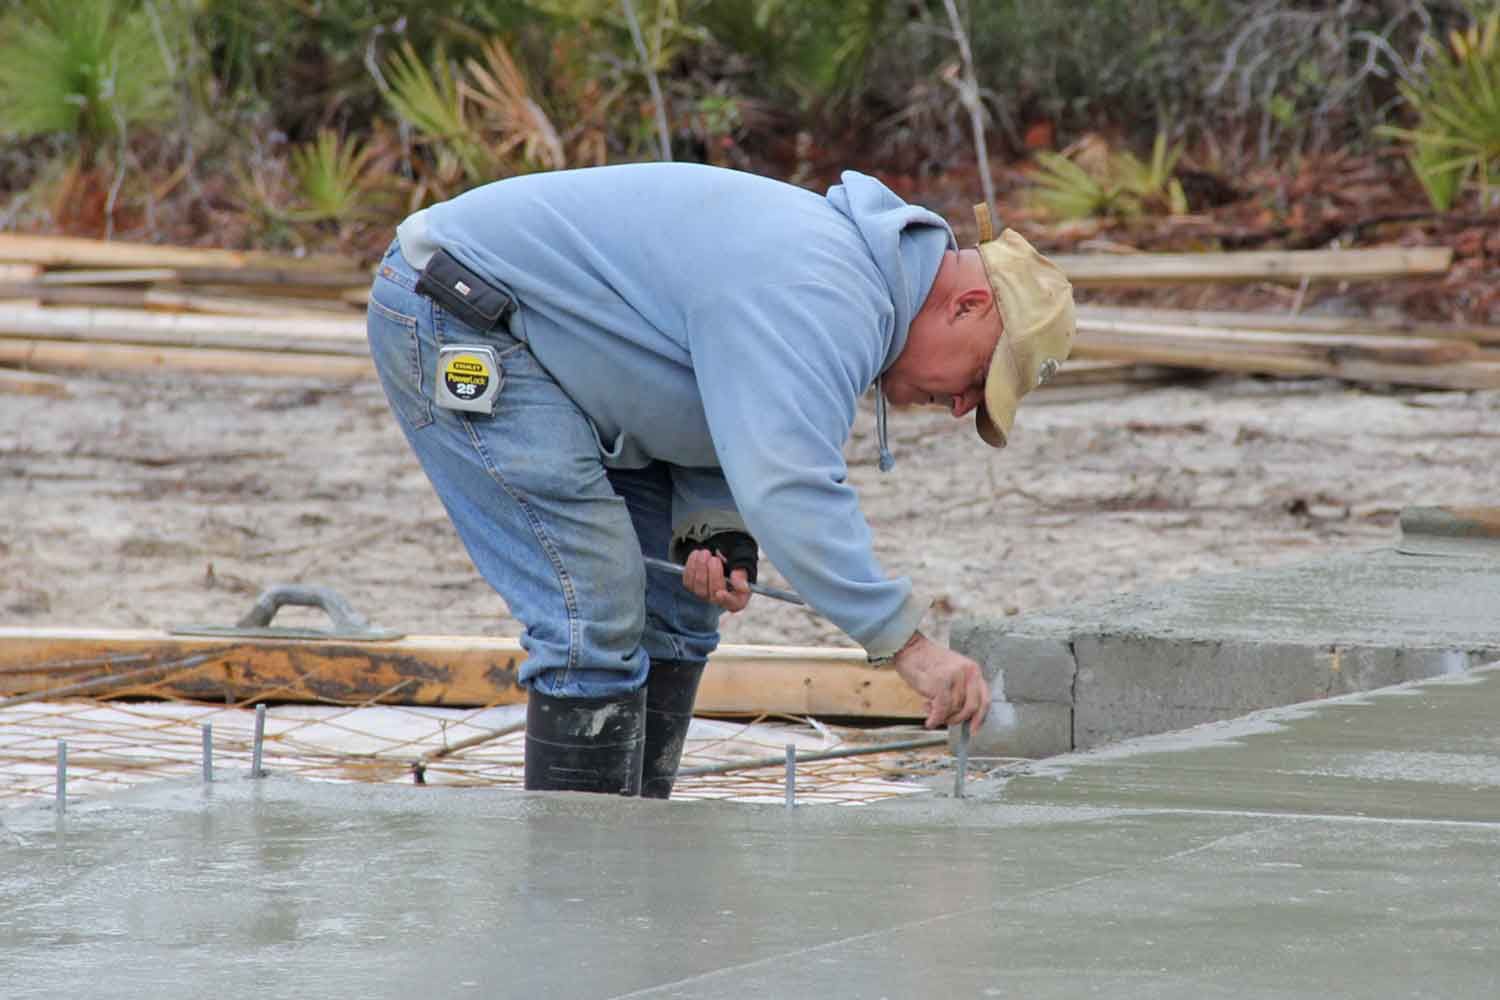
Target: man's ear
(972, 303)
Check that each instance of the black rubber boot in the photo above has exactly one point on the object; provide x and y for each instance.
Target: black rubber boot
(585, 744)
(671, 688)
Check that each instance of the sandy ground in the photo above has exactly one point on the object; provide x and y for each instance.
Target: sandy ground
(153, 501)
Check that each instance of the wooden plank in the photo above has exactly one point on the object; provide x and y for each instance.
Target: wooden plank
(167, 300)
(1122, 270)
(73, 251)
(325, 282)
(109, 276)
(33, 384)
(311, 296)
(249, 302)
(1299, 322)
(1463, 375)
(271, 343)
(23, 275)
(1077, 372)
(57, 355)
(459, 671)
(1455, 375)
(312, 334)
(1100, 337)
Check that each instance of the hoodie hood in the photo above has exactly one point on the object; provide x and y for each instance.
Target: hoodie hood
(907, 243)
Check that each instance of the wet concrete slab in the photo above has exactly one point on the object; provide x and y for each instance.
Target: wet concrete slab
(1218, 646)
(1347, 848)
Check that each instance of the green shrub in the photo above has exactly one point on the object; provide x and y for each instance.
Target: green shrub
(87, 68)
(1457, 138)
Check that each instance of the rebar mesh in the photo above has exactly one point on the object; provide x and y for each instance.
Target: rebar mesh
(118, 744)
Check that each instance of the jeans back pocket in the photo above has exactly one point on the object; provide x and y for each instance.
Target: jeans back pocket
(396, 350)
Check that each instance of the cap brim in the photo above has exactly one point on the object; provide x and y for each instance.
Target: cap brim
(994, 417)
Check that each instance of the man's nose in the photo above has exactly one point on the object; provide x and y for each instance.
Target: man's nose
(964, 404)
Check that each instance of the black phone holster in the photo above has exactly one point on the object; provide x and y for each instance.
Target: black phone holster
(471, 298)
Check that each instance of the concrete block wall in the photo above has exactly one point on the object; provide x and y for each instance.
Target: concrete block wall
(1056, 692)
(1219, 646)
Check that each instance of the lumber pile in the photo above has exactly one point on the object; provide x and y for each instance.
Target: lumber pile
(71, 304)
(74, 304)
(1438, 358)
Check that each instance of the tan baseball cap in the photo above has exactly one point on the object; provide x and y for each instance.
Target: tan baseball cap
(1036, 303)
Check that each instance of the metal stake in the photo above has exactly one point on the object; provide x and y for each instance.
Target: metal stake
(62, 776)
(791, 775)
(260, 738)
(208, 752)
(963, 761)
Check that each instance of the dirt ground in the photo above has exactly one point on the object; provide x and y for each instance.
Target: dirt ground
(160, 500)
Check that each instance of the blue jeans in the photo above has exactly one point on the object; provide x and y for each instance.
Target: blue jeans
(558, 536)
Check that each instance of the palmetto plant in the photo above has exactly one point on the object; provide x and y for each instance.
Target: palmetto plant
(498, 88)
(335, 177)
(484, 120)
(1457, 138)
(431, 100)
(1101, 182)
(87, 68)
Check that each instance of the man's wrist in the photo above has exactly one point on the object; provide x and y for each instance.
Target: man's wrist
(890, 658)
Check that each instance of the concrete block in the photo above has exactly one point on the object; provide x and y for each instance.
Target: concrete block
(1020, 729)
(1136, 685)
(1019, 667)
(1364, 668)
(1132, 686)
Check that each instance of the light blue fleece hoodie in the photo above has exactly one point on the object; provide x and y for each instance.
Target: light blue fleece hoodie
(724, 323)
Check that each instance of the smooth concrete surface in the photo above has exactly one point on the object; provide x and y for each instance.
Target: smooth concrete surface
(1379, 597)
(1346, 848)
(1216, 647)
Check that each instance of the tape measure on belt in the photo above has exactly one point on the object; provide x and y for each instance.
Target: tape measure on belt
(468, 378)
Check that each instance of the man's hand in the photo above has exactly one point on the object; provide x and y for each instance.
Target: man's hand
(952, 686)
(703, 576)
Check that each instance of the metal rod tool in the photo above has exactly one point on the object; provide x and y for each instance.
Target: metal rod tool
(755, 588)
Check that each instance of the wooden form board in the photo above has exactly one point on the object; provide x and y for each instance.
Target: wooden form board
(457, 671)
(1143, 269)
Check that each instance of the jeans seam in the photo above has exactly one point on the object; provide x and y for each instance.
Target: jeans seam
(412, 351)
(570, 595)
(538, 529)
(396, 278)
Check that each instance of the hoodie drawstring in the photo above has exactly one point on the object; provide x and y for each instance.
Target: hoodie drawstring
(887, 460)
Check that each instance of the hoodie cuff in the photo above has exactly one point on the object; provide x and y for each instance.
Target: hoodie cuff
(894, 634)
(703, 525)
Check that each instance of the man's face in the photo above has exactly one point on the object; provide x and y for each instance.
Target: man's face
(948, 368)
